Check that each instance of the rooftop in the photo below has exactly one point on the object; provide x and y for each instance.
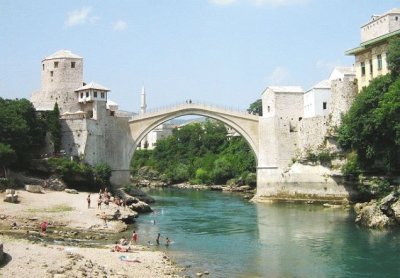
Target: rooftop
(92, 85)
(286, 89)
(62, 54)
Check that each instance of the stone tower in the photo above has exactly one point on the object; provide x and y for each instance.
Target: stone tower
(61, 75)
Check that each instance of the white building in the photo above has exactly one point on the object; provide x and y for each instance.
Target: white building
(316, 100)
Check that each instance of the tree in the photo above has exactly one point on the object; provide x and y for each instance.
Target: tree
(7, 157)
(367, 126)
(393, 56)
(256, 107)
(54, 126)
(21, 129)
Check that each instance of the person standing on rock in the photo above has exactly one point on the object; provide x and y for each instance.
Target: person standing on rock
(88, 201)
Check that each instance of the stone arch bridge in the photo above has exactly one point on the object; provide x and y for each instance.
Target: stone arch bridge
(244, 123)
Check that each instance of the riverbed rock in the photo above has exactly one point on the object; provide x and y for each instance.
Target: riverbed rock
(54, 183)
(370, 215)
(140, 207)
(134, 192)
(33, 188)
(116, 213)
(11, 196)
(71, 191)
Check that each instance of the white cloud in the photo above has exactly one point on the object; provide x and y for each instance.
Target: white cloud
(120, 25)
(81, 16)
(279, 76)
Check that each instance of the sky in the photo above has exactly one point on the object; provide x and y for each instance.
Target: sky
(221, 52)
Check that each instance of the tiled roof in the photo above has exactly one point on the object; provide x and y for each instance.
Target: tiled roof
(92, 85)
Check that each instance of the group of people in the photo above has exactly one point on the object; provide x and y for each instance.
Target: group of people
(105, 197)
(123, 245)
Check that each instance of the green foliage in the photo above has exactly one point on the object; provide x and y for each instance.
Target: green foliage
(320, 155)
(21, 129)
(7, 155)
(256, 107)
(102, 174)
(54, 126)
(372, 126)
(251, 179)
(393, 57)
(202, 176)
(222, 171)
(351, 168)
(197, 152)
(80, 174)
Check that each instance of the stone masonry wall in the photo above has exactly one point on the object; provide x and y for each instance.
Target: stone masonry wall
(343, 93)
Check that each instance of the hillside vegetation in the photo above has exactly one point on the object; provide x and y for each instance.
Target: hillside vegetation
(200, 153)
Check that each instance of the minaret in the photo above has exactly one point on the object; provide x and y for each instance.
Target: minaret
(143, 104)
(144, 143)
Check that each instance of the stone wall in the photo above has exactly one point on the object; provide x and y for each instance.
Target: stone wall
(343, 93)
(312, 133)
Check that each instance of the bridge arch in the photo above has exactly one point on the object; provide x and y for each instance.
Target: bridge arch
(244, 123)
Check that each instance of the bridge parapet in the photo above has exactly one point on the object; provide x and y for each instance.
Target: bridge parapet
(193, 106)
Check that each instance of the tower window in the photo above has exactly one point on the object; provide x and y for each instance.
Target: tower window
(73, 65)
(102, 95)
(269, 108)
(55, 65)
(95, 94)
(362, 68)
(87, 94)
(51, 73)
(324, 105)
(81, 95)
(42, 66)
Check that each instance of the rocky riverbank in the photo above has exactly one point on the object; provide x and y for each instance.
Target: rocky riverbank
(381, 214)
(63, 251)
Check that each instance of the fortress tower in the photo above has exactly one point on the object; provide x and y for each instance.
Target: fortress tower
(61, 75)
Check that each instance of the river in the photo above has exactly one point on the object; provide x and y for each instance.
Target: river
(231, 237)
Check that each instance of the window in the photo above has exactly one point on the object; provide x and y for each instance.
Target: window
(362, 68)
(95, 94)
(324, 105)
(87, 94)
(42, 66)
(51, 73)
(370, 67)
(269, 108)
(81, 95)
(55, 65)
(73, 65)
(102, 95)
(379, 58)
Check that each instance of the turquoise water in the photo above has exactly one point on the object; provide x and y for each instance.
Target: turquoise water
(230, 237)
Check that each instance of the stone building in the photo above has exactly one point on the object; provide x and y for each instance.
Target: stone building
(92, 127)
(371, 54)
(61, 75)
(316, 99)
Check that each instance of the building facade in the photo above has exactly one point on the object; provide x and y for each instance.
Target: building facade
(371, 54)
